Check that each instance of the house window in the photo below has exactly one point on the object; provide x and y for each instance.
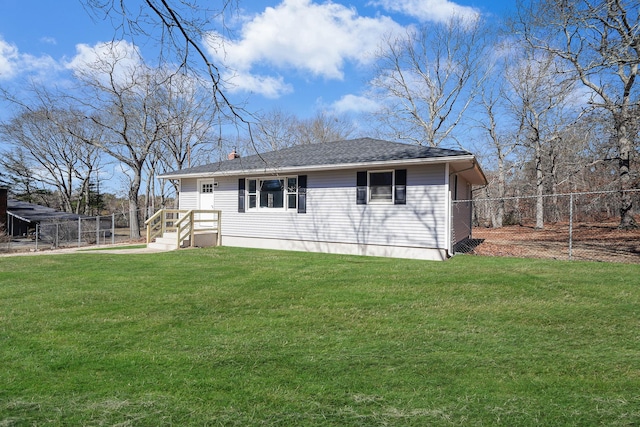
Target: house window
(381, 187)
(207, 187)
(292, 193)
(272, 193)
(252, 193)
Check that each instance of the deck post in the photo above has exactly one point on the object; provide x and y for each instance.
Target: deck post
(219, 239)
(192, 236)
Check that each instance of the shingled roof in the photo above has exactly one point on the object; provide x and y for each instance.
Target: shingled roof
(323, 156)
(29, 212)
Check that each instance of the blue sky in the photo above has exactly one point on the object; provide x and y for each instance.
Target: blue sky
(301, 56)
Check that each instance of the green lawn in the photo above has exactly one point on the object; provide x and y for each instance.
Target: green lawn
(238, 337)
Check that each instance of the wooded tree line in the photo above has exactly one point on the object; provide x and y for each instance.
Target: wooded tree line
(548, 100)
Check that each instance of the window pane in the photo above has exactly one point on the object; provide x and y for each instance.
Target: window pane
(292, 185)
(381, 193)
(271, 185)
(252, 200)
(381, 178)
(272, 193)
(291, 204)
(252, 186)
(380, 185)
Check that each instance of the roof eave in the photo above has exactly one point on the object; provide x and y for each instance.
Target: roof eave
(317, 168)
(471, 171)
(21, 218)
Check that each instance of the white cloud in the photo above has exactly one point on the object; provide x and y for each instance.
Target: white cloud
(13, 63)
(429, 10)
(8, 59)
(308, 37)
(49, 40)
(119, 59)
(269, 87)
(355, 104)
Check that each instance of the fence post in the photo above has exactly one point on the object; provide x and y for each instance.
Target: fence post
(570, 226)
(37, 235)
(97, 230)
(79, 232)
(113, 228)
(57, 241)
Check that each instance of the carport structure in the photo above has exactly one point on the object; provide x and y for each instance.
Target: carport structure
(22, 217)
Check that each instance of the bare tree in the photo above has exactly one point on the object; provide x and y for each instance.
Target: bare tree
(600, 41)
(501, 144)
(180, 29)
(537, 93)
(189, 119)
(427, 79)
(274, 129)
(42, 141)
(277, 129)
(323, 127)
(121, 101)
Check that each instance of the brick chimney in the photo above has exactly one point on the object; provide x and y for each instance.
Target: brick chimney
(233, 155)
(3, 209)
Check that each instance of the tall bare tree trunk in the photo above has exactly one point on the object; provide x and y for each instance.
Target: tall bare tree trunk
(626, 203)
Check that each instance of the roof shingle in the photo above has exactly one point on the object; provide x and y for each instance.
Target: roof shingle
(354, 151)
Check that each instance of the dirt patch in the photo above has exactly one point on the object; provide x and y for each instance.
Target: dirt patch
(594, 242)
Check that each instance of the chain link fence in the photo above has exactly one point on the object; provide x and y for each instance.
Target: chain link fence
(574, 226)
(85, 231)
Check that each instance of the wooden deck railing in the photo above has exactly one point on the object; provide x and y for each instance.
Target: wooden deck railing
(185, 223)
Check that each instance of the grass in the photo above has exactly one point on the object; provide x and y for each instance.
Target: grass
(114, 248)
(238, 337)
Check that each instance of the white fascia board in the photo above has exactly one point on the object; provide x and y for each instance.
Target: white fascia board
(19, 217)
(316, 168)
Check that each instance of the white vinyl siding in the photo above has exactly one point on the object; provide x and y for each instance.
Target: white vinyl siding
(188, 198)
(334, 217)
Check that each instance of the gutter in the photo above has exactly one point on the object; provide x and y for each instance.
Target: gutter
(316, 168)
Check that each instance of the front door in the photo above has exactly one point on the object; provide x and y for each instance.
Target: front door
(205, 201)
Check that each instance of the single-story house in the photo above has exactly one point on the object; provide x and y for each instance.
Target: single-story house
(362, 196)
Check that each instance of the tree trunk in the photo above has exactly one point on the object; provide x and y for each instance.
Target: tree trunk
(627, 220)
(134, 223)
(624, 165)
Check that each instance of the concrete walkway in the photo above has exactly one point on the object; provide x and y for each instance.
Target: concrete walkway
(124, 249)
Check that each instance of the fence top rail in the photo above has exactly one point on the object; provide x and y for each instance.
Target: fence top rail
(581, 193)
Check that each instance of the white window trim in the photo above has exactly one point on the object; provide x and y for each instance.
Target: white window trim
(285, 194)
(393, 188)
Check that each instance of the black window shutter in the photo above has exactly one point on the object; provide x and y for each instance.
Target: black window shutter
(302, 193)
(401, 187)
(241, 198)
(361, 183)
